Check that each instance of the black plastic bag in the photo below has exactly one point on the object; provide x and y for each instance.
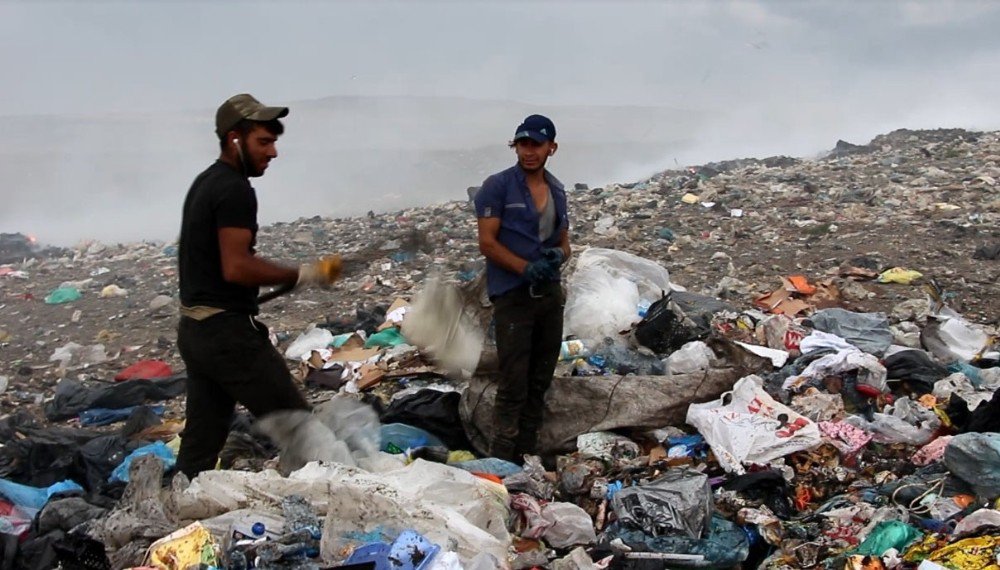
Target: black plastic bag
(916, 368)
(73, 397)
(676, 319)
(431, 410)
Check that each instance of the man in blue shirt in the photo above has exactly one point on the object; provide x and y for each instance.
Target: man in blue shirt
(524, 235)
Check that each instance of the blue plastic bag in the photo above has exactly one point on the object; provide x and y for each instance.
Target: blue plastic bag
(397, 438)
(158, 449)
(108, 416)
(34, 497)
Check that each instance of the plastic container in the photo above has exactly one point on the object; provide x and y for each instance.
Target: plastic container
(573, 349)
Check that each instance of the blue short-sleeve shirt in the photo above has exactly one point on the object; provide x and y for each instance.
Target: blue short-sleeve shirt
(505, 195)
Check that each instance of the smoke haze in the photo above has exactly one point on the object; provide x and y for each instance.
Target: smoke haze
(107, 107)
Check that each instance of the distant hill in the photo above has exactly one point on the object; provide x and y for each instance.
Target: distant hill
(123, 177)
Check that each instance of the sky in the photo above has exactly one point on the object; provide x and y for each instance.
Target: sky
(763, 77)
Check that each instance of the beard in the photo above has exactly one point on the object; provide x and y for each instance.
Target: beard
(249, 168)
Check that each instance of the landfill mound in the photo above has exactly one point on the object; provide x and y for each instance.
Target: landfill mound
(772, 363)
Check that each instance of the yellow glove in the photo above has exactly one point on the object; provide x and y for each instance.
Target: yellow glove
(321, 273)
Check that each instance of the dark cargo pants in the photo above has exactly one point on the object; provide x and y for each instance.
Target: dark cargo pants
(529, 323)
(229, 359)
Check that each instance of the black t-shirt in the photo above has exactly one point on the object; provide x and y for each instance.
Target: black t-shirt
(220, 197)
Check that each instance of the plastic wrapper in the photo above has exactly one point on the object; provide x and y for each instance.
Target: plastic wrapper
(748, 425)
(678, 502)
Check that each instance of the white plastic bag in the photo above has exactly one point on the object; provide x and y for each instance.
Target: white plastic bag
(650, 278)
(313, 339)
(743, 426)
(906, 422)
(694, 356)
(605, 291)
(950, 337)
(600, 305)
(569, 525)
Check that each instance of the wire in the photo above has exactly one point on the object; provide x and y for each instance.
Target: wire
(914, 506)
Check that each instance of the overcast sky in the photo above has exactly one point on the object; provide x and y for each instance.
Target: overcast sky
(775, 77)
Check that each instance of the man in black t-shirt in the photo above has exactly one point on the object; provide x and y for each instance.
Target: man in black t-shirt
(227, 352)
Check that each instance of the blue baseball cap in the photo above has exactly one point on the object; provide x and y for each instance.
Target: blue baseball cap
(536, 128)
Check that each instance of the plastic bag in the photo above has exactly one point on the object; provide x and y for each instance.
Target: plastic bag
(607, 446)
(889, 428)
(678, 502)
(569, 525)
(73, 355)
(692, 357)
(342, 430)
(886, 535)
(867, 331)
(313, 339)
(385, 339)
(949, 337)
(599, 304)
(677, 318)
(105, 416)
(724, 546)
(397, 438)
(438, 325)
(145, 369)
(748, 425)
(870, 370)
(63, 295)
(975, 459)
(159, 449)
(34, 497)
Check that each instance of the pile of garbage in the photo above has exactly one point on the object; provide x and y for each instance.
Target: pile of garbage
(802, 401)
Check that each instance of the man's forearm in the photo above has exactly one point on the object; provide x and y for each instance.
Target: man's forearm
(252, 271)
(505, 258)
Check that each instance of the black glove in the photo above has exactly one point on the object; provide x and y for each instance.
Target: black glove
(555, 256)
(540, 271)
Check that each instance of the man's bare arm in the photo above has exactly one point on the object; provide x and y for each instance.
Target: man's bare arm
(241, 267)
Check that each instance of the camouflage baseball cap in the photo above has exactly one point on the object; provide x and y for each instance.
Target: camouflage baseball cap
(244, 106)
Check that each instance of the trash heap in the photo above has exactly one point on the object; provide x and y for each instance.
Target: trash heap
(780, 363)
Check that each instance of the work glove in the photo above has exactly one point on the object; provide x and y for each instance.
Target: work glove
(541, 271)
(555, 256)
(320, 273)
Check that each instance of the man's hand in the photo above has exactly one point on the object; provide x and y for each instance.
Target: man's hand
(554, 255)
(321, 273)
(541, 271)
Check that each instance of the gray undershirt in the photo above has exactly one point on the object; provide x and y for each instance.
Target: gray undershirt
(547, 219)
